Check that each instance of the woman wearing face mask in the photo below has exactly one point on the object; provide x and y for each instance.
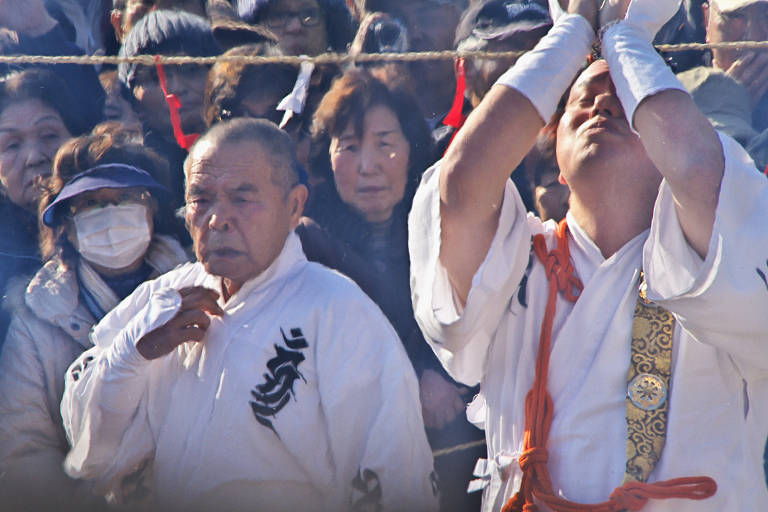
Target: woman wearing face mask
(99, 242)
(379, 145)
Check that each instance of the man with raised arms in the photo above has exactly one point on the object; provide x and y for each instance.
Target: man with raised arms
(654, 400)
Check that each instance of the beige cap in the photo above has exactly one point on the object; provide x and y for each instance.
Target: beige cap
(735, 5)
(723, 101)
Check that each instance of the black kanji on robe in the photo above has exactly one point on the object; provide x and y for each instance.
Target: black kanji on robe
(283, 370)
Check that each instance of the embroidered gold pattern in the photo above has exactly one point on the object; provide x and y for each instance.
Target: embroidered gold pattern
(652, 355)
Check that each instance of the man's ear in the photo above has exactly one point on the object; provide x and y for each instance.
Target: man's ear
(116, 19)
(561, 179)
(297, 198)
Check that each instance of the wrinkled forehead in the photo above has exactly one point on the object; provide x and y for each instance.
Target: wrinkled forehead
(596, 76)
(222, 160)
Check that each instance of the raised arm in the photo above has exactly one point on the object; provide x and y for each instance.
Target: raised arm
(677, 137)
(499, 133)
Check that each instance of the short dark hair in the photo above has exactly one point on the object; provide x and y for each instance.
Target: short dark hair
(277, 145)
(166, 32)
(45, 86)
(229, 82)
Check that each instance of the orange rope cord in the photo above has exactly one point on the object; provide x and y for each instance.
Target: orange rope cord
(536, 481)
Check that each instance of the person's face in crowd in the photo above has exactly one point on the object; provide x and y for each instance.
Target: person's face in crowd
(371, 168)
(483, 73)
(260, 106)
(117, 108)
(593, 128)
(237, 214)
(187, 82)
(30, 134)
(124, 20)
(93, 202)
(431, 26)
(550, 197)
(749, 23)
(299, 25)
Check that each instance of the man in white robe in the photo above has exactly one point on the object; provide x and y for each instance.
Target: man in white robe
(662, 193)
(252, 379)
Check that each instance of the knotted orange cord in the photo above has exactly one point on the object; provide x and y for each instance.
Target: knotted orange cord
(536, 481)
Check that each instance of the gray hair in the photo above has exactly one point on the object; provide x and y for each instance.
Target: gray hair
(277, 145)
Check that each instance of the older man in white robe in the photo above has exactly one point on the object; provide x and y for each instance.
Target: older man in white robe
(660, 201)
(252, 379)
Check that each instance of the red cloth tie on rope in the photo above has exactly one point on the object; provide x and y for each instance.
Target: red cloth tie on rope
(536, 482)
(174, 104)
(456, 116)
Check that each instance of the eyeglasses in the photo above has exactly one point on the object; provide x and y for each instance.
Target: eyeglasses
(84, 203)
(307, 17)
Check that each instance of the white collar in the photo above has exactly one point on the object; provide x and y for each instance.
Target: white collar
(588, 257)
(290, 260)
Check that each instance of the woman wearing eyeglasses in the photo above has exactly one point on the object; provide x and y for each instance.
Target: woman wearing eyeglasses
(302, 27)
(98, 242)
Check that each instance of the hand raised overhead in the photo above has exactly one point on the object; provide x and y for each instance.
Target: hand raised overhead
(586, 8)
(189, 324)
(647, 15)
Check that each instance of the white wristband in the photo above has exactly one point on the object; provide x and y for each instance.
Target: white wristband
(636, 69)
(545, 72)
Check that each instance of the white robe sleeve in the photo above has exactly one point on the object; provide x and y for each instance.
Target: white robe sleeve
(104, 407)
(461, 338)
(723, 300)
(379, 448)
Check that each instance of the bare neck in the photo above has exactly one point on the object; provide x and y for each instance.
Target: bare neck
(229, 288)
(612, 220)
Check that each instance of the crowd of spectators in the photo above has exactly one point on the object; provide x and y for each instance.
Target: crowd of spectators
(82, 139)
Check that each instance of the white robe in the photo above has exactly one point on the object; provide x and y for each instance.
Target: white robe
(299, 389)
(718, 398)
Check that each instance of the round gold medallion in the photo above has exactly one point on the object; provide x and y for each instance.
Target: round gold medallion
(647, 391)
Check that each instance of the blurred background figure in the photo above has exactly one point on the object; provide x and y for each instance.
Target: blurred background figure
(302, 27)
(428, 25)
(118, 104)
(28, 28)
(236, 89)
(489, 25)
(37, 115)
(242, 90)
(169, 33)
(498, 26)
(99, 240)
(126, 13)
(732, 90)
(550, 196)
(741, 20)
(379, 145)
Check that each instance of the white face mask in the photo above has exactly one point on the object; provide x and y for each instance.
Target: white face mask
(113, 236)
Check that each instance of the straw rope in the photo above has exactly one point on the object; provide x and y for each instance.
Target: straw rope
(329, 58)
(457, 448)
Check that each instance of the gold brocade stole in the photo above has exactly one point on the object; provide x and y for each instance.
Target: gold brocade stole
(648, 387)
